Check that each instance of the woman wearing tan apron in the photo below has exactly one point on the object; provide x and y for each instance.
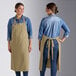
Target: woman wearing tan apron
(49, 41)
(19, 41)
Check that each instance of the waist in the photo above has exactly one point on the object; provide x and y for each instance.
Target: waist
(44, 36)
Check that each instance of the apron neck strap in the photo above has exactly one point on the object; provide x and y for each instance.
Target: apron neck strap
(16, 22)
(23, 20)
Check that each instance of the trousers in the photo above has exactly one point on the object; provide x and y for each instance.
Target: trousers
(53, 68)
(18, 73)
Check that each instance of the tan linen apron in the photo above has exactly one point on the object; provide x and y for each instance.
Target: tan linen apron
(19, 47)
(44, 38)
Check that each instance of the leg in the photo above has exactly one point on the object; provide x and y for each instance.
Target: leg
(45, 56)
(25, 73)
(54, 61)
(17, 73)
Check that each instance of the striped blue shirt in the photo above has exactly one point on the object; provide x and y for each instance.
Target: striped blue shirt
(11, 21)
(50, 26)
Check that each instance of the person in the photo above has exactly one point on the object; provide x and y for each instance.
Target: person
(50, 40)
(19, 36)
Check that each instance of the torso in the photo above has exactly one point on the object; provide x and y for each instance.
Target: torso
(52, 26)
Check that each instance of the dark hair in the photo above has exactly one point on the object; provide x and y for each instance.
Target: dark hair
(53, 7)
(18, 4)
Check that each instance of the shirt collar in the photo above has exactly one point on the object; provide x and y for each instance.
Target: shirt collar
(52, 14)
(20, 18)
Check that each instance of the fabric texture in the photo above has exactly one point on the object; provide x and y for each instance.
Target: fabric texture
(28, 25)
(51, 26)
(53, 68)
(19, 47)
(18, 73)
(48, 65)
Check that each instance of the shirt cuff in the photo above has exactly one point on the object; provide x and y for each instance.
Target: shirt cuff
(30, 37)
(39, 38)
(8, 39)
(66, 36)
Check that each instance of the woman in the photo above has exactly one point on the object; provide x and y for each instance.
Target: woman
(49, 41)
(19, 40)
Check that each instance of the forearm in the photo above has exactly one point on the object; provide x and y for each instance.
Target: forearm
(9, 48)
(30, 45)
(63, 39)
(30, 41)
(8, 43)
(39, 44)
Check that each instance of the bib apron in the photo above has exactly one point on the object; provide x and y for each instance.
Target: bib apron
(19, 47)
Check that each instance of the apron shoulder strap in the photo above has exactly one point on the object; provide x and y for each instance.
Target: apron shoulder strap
(24, 20)
(14, 22)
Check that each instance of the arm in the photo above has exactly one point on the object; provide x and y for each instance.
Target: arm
(9, 48)
(9, 35)
(63, 39)
(39, 44)
(29, 29)
(40, 34)
(66, 31)
(30, 45)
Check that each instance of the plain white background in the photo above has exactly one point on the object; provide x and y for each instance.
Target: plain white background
(35, 10)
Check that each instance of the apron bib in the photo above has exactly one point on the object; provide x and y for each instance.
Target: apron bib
(19, 47)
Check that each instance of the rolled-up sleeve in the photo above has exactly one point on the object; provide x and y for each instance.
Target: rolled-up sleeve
(9, 30)
(66, 29)
(41, 28)
(29, 28)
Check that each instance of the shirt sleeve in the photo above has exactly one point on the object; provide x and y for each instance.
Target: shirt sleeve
(29, 28)
(65, 28)
(41, 28)
(9, 30)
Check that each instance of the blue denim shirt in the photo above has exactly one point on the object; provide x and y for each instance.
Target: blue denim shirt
(11, 21)
(50, 26)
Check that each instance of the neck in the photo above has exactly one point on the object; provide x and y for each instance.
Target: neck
(18, 16)
(51, 14)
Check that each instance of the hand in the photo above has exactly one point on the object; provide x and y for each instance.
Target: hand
(30, 48)
(62, 40)
(9, 48)
(30, 45)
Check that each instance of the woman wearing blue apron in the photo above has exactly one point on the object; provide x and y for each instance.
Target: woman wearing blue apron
(19, 41)
(49, 40)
